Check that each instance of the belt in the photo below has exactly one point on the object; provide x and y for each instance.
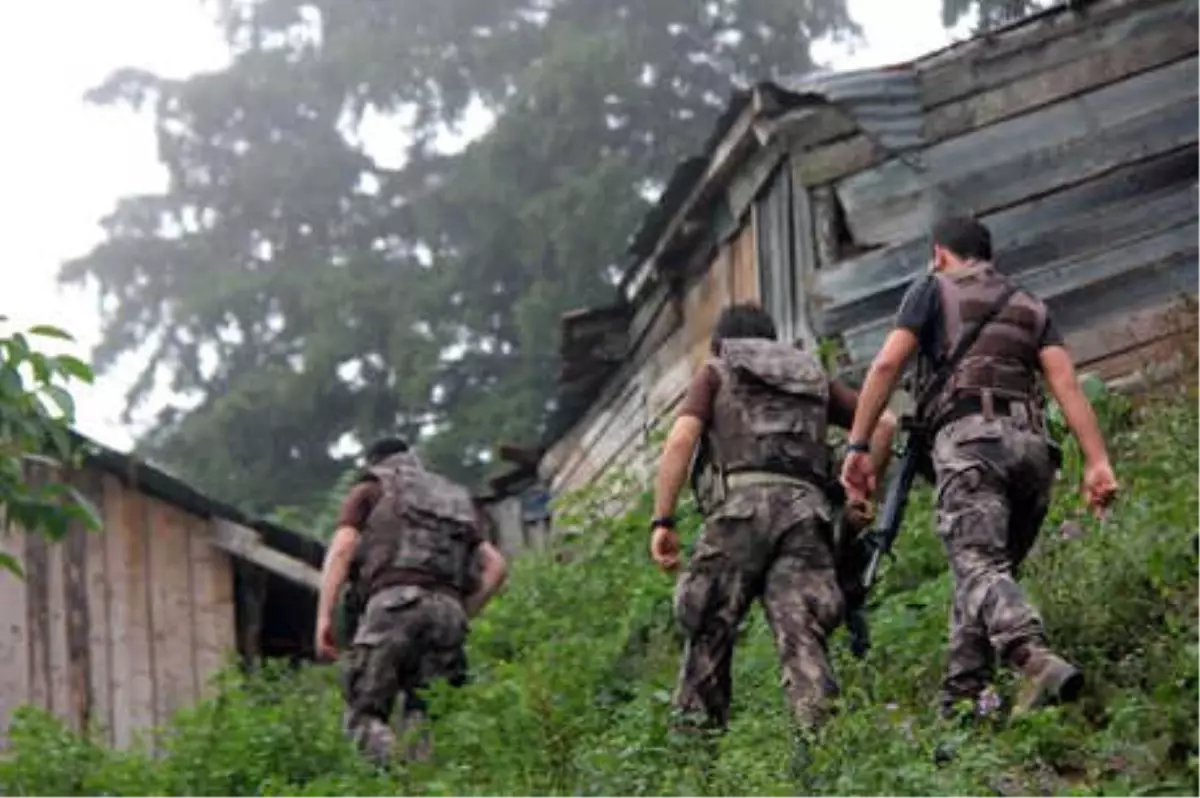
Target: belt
(748, 479)
(402, 577)
(973, 406)
(1001, 407)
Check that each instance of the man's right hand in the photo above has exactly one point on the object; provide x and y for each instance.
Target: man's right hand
(1099, 486)
(664, 548)
(858, 476)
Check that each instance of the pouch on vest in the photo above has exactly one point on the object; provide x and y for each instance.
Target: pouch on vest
(774, 410)
(423, 523)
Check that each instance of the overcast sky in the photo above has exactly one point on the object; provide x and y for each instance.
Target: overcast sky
(65, 163)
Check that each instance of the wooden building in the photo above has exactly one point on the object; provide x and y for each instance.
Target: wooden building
(1072, 134)
(118, 629)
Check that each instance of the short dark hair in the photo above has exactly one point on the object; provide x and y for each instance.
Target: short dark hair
(964, 236)
(744, 320)
(384, 448)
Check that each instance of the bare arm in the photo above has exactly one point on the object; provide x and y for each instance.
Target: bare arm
(881, 441)
(494, 573)
(335, 569)
(1064, 386)
(880, 382)
(842, 408)
(673, 466)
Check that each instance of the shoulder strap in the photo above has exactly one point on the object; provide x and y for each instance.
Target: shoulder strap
(947, 366)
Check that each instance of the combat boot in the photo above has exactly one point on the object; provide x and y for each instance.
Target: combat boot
(1047, 679)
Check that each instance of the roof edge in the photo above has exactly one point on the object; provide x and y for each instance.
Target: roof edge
(153, 481)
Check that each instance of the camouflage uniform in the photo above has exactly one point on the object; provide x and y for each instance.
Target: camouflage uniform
(995, 469)
(993, 483)
(416, 561)
(768, 537)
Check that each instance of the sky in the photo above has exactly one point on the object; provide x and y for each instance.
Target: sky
(66, 163)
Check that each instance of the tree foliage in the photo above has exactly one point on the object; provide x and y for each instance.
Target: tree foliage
(295, 288)
(36, 414)
(990, 14)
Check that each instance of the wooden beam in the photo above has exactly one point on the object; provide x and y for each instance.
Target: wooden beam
(244, 543)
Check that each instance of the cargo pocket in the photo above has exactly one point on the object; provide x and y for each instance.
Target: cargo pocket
(383, 613)
(710, 573)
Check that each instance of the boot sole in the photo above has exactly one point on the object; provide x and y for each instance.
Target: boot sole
(1062, 688)
(1070, 687)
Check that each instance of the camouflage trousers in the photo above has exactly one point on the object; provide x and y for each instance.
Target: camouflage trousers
(994, 479)
(773, 543)
(408, 637)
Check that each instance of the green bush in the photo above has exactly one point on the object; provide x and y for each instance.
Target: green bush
(36, 414)
(573, 667)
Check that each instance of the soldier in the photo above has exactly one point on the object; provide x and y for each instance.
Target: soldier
(994, 464)
(759, 407)
(410, 541)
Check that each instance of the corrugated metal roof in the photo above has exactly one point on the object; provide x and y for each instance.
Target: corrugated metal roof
(885, 103)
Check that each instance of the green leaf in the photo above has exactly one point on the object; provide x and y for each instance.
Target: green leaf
(12, 565)
(63, 399)
(75, 367)
(89, 512)
(11, 383)
(49, 331)
(41, 366)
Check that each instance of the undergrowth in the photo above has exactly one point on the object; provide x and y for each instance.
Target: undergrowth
(573, 667)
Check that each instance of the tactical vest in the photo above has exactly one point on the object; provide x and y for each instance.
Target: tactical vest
(1003, 362)
(770, 411)
(421, 531)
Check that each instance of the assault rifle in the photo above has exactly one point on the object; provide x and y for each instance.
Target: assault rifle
(878, 541)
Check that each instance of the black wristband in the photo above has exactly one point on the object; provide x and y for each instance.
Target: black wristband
(861, 448)
(666, 521)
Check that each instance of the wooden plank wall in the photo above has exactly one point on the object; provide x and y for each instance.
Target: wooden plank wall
(1075, 141)
(115, 630)
(656, 376)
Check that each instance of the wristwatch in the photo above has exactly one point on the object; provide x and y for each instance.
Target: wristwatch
(666, 521)
(861, 448)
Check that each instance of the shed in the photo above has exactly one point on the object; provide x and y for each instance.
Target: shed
(118, 629)
(1071, 133)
